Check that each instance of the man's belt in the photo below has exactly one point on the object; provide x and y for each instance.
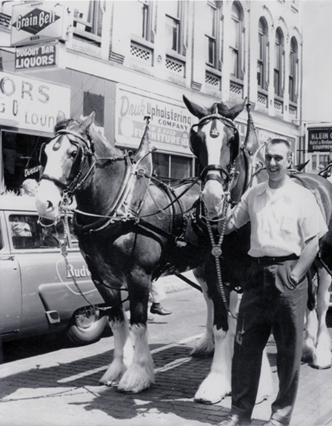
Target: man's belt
(277, 259)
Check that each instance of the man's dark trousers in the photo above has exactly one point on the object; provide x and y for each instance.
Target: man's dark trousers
(268, 305)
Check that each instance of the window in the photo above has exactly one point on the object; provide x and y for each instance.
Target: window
(26, 232)
(168, 166)
(211, 31)
(237, 42)
(173, 26)
(263, 54)
(141, 26)
(278, 63)
(314, 161)
(87, 18)
(293, 70)
(20, 153)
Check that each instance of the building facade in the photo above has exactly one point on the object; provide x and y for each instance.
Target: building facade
(129, 59)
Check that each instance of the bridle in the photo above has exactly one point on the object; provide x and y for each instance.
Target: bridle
(85, 154)
(225, 174)
(227, 179)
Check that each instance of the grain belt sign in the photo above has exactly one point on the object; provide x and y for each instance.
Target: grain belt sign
(38, 22)
(320, 139)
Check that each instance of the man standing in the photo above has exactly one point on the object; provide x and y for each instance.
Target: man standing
(286, 225)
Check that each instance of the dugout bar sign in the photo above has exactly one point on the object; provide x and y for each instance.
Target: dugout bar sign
(320, 139)
(36, 56)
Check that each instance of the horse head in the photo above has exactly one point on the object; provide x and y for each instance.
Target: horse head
(215, 141)
(67, 162)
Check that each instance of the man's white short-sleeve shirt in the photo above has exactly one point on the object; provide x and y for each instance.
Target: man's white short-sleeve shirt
(282, 220)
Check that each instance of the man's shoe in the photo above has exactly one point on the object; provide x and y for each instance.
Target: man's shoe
(234, 420)
(272, 422)
(156, 308)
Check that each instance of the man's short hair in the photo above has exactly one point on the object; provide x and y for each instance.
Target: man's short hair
(275, 141)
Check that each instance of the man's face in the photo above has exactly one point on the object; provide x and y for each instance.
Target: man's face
(277, 160)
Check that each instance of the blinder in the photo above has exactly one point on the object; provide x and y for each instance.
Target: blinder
(195, 141)
(83, 151)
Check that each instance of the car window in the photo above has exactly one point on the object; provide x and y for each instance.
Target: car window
(26, 232)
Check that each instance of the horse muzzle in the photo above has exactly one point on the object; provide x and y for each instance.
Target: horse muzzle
(48, 200)
(214, 198)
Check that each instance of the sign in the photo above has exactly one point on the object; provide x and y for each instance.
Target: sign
(320, 139)
(263, 134)
(36, 56)
(38, 22)
(169, 126)
(33, 104)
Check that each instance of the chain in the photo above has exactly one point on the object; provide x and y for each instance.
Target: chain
(216, 247)
(64, 253)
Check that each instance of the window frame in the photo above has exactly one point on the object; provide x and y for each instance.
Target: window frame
(279, 63)
(239, 48)
(91, 30)
(179, 23)
(293, 71)
(263, 54)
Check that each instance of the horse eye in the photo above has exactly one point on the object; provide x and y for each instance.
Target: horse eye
(72, 154)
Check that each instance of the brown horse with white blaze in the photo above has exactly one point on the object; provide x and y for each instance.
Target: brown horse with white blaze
(227, 173)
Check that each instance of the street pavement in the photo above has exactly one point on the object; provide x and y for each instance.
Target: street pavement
(44, 382)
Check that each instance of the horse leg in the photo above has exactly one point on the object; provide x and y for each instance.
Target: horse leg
(218, 382)
(205, 345)
(140, 374)
(322, 356)
(311, 327)
(122, 349)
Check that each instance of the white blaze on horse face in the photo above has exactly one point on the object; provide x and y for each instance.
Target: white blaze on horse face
(213, 193)
(57, 167)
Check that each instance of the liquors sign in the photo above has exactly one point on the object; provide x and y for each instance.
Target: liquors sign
(37, 22)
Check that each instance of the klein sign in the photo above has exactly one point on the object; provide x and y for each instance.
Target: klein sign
(320, 139)
(33, 104)
(36, 57)
(37, 22)
(170, 120)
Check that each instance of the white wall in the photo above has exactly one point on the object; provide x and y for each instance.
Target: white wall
(317, 60)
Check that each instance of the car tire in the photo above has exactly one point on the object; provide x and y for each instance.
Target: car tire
(86, 326)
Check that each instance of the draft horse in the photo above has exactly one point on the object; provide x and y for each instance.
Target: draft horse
(228, 170)
(131, 230)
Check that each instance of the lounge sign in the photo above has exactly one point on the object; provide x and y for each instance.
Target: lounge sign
(320, 139)
(37, 22)
(32, 104)
(36, 56)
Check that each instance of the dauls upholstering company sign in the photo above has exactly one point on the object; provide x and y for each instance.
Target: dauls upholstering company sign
(38, 22)
(169, 126)
(32, 104)
(320, 139)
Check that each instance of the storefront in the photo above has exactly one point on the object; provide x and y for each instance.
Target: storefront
(28, 112)
(170, 124)
(319, 143)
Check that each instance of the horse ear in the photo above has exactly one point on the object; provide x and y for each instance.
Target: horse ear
(195, 109)
(88, 121)
(236, 109)
(60, 117)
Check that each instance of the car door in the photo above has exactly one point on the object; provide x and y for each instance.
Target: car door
(10, 285)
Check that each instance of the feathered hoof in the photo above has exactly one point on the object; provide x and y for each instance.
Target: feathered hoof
(212, 390)
(322, 360)
(135, 380)
(113, 374)
(204, 347)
